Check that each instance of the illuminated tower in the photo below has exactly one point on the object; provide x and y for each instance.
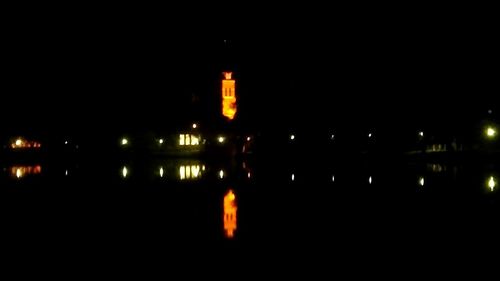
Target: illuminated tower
(228, 96)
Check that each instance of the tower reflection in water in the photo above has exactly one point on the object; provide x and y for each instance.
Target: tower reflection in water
(230, 214)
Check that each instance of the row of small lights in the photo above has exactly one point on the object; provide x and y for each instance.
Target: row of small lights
(490, 131)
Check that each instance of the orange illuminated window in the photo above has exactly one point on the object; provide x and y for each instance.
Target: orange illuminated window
(230, 216)
(228, 96)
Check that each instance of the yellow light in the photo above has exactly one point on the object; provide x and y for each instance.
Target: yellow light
(230, 214)
(195, 171)
(19, 173)
(124, 172)
(292, 137)
(160, 141)
(421, 134)
(421, 181)
(195, 125)
(190, 172)
(161, 172)
(124, 141)
(221, 174)
(181, 139)
(19, 142)
(491, 132)
(195, 140)
(182, 172)
(221, 139)
(492, 183)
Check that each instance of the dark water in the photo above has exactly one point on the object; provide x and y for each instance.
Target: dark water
(345, 208)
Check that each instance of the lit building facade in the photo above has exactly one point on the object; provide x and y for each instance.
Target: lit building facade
(228, 96)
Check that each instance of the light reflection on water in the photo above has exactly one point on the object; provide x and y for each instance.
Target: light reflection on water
(310, 183)
(230, 214)
(19, 172)
(421, 181)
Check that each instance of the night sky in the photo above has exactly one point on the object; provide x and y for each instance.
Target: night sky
(363, 76)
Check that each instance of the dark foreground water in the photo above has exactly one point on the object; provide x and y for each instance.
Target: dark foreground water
(355, 209)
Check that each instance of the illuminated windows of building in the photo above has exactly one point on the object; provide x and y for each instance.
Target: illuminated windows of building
(228, 96)
(189, 139)
(230, 214)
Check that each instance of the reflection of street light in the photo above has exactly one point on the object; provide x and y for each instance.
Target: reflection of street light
(421, 181)
(124, 172)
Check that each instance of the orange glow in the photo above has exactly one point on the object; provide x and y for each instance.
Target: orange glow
(230, 209)
(228, 96)
(21, 143)
(21, 171)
